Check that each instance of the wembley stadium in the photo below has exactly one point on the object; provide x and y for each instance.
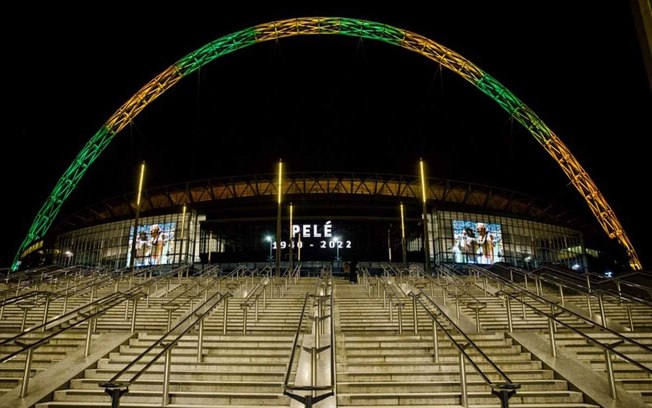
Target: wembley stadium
(325, 218)
(363, 286)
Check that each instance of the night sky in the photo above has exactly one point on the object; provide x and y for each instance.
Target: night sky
(327, 103)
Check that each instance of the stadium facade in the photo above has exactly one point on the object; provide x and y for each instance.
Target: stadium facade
(336, 217)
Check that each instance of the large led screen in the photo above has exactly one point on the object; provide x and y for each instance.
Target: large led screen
(154, 244)
(477, 242)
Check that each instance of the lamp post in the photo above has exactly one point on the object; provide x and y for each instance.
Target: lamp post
(424, 217)
(277, 269)
(403, 249)
(69, 255)
(270, 240)
(336, 240)
(291, 243)
(132, 260)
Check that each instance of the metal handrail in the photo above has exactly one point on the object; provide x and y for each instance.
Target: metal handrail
(397, 302)
(391, 269)
(24, 297)
(562, 283)
(295, 342)
(43, 273)
(35, 273)
(580, 288)
(311, 399)
(294, 274)
(333, 344)
(460, 347)
(116, 389)
(543, 300)
(392, 289)
(608, 349)
(58, 320)
(112, 300)
(207, 273)
(503, 390)
(236, 272)
(266, 271)
(459, 283)
(619, 280)
(617, 297)
(255, 292)
(109, 299)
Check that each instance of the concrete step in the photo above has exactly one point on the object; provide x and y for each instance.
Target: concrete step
(206, 375)
(453, 385)
(635, 383)
(279, 350)
(157, 404)
(224, 340)
(453, 398)
(177, 397)
(9, 382)
(233, 358)
(437, 375)
(399, 367)
(189, 385)
(195, 366)
(426, 358)
(492, 338)
(505, 350)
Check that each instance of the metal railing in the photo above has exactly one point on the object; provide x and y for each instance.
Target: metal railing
(183, 298)
(461, 294)
(556, 310)
(323, 291)
(116, 389)
(504, 390)
(391, 292)
(621, 283)
(619, 299)
(85, 314)
(258, 291)
(88, 313)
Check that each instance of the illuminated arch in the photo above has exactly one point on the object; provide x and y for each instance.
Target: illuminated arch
(338, 26)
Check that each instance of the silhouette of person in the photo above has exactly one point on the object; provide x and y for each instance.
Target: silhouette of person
(353, 271)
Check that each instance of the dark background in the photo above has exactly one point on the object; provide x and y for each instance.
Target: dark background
(326, 103)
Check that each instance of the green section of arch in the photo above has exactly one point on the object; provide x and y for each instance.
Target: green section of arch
(276, 30)
(233, 42)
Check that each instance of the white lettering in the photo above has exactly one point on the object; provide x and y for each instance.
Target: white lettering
(328, 230)
(313, 230)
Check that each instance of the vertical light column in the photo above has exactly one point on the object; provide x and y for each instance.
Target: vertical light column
(210, 238)
(299, 245)
(277, 269)
(132, 260)
(424, 218)
(389, 245)
(403, 248)
(291, 242)
(183, 229)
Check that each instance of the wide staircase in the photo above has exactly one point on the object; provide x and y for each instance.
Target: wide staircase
(383, 367)
(453, 338)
